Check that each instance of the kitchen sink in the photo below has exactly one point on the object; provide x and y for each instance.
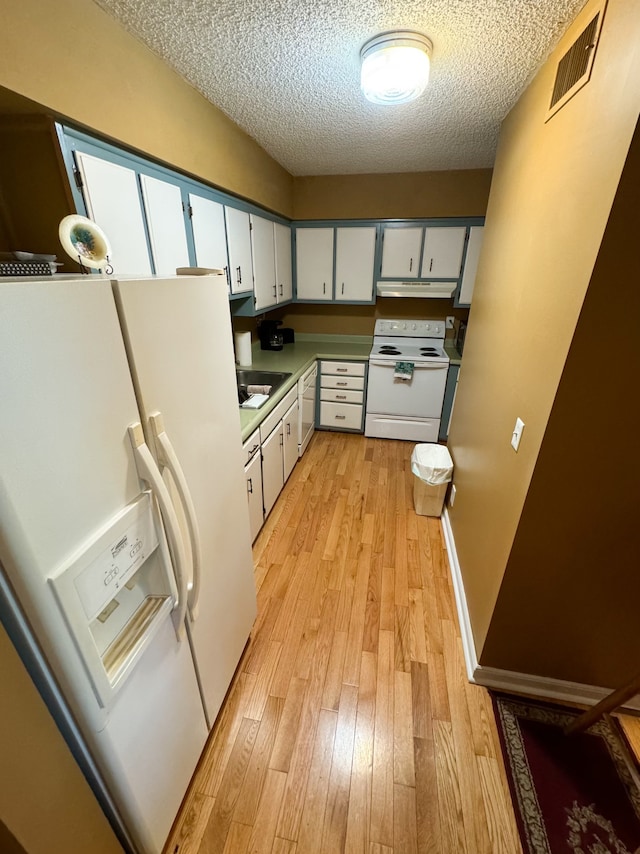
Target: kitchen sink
(245, 378)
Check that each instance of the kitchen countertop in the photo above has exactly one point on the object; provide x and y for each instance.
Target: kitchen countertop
(295, 359)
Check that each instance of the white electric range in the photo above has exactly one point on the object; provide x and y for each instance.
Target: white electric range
(407, 377)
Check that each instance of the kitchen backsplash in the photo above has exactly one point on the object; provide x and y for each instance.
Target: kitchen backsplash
(354, 319)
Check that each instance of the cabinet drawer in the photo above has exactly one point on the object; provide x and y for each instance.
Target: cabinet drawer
(338, 396)
(250, 447)
(353, 383)
(340, 416)
(353, 369)
(278, 413)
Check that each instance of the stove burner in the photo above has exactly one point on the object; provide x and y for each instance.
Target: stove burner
(429, 351)
(389, 351)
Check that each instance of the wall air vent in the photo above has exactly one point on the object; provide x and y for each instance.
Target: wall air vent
(574, 69)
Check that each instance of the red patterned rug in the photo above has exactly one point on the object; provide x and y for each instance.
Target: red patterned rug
(572, 794)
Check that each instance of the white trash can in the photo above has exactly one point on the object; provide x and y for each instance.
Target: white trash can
(433, 468)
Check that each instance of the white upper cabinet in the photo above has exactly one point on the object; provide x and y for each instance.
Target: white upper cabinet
(442, 255)
(264, 262)
(272, 279)
(476, 233)
(165, 219)
(314, 263)
(355, 256)
(284, 276)
(239, 244)
(112, 198)
(401, 252)
(209, 236)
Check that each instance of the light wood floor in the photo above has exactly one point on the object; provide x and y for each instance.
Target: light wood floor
(350, 726)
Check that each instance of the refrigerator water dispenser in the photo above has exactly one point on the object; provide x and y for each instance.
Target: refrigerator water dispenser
(114, 594)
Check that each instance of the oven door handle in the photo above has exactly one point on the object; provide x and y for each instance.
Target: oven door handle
(418, 366)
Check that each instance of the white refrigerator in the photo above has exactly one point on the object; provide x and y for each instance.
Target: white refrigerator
(127, 574)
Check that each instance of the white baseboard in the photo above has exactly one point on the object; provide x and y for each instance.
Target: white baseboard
(508, 680)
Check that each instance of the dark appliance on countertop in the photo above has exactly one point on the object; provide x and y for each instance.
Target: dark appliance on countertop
(272, 338)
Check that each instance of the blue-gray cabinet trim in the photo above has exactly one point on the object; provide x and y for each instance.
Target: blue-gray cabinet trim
(449, 392)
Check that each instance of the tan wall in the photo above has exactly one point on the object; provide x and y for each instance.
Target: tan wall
(78, 62)
(360, 319)
(552, 191)
(334, 319)
(575, 555)
(45, 802)
(424, 194)
(33, 186)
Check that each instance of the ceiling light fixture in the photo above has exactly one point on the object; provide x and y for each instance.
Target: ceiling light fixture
(395, 67)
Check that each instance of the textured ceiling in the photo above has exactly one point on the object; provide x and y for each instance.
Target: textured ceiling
(287, 72)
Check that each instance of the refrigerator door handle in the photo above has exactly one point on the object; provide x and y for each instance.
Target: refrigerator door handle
(167, 458)
(149, 473)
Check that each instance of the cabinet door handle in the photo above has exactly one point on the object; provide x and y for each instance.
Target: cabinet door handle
(228, 276)
(343, 287)
(324, 287)
(339, 383)
(341, 370)
(250, 485)
(410, 264)
(281, 289)
(341, 397)
(288, 429)
(281, 439)
(341, 417)
(275, 291)
(239, 275)
(431, 265)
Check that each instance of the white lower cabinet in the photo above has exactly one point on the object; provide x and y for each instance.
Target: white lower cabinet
(290, 440)
(253, 473)
(342, 393)
(271, 453)
(272, 470)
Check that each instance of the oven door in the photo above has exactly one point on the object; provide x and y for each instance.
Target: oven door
(420, 397)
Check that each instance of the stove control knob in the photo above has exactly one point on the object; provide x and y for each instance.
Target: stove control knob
(414, 326)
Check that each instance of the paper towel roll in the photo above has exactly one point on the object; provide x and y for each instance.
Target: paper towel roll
(243, 347)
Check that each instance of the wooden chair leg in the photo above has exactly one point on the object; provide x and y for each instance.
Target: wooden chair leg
(606, 705)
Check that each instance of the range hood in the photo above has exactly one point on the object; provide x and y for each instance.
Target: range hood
(421, 290)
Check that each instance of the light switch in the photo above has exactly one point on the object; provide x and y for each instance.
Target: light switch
(517, 434)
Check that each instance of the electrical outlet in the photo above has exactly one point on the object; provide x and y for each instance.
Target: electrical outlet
(517, 434)
(449, 322)
(452, 495)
